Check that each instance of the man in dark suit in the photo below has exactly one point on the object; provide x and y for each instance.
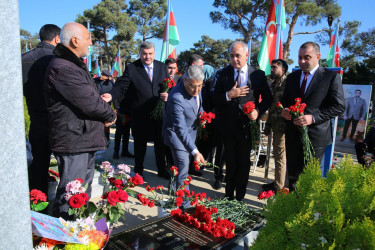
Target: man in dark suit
(355, 110)
(142, 79)
(322, 91)
(172, 69)
(234, 86)
(181, 122)
(34, 66)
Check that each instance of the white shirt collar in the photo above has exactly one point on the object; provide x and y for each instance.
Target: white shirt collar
(151, 65)
(312, 72)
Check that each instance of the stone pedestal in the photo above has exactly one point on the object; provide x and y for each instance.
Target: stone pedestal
(15, 222)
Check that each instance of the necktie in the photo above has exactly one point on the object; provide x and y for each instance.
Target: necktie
(238, 78)
(303, 85)
(149, 69)
(196, 98)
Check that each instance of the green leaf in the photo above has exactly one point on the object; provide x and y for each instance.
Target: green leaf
(131, 193)
(71, 211)
(91, 207)
(40, 206)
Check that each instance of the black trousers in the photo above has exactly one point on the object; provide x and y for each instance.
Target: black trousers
(360, 150)
(140, 146)
(346, 127)
(122, 132)
(71, 167)
(38, 170)
(237, 158)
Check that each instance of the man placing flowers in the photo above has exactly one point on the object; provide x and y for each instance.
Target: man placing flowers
(321, 90)
(181, 120)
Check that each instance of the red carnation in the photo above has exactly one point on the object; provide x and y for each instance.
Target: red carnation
(174, 170)
(151, 203)
(262, 195)
(136, 180)
(248, 107)
(159, 187)
(77, 201)
(84, 196)
(176, 211)
(180, 193)
(112, 198)
(196, 165)
(279, 105)
(37, 195)
(122, 196)
(179, 201)
(297, 100)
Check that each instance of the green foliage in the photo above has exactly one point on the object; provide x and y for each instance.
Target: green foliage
(148, 15)
(39, 207)
(26, 117)
(31, 40)
(333, 212)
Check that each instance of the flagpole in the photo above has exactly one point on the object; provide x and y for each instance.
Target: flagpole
(167, 26)
(278, 37)
(249, 58)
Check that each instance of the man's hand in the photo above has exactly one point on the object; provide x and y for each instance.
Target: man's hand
(238, 92)
(106, 97)
(163, 96)
(198, 157)
(286, 115)
(108, 123)
(303, 121)
(253, 115)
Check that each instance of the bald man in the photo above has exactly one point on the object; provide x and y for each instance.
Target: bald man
(77, 114)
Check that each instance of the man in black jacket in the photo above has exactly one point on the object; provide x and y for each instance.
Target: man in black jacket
(34, 65)
(77, 114)
(322, 91)
(142, 79)
(234, 86)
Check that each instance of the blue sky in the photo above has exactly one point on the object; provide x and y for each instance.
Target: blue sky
(192, 18)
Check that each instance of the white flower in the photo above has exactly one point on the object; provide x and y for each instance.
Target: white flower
(124, 167)
(73, 187)
(41, 247)
(84, 240)
(323, 240)
(72, 227)
(316, 216)
(67, 196)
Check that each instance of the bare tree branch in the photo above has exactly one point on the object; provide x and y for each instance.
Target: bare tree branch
(313, 32)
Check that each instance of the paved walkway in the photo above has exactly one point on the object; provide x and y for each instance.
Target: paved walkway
(137, 214)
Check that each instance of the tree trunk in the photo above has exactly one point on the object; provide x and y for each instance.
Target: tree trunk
(106, 46)
(290, 36)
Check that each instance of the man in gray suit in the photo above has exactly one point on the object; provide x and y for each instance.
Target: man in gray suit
(355, 110)
(181, 121)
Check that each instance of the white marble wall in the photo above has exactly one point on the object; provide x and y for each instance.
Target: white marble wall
(15, 223)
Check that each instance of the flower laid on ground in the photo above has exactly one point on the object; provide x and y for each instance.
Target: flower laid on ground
(201, 219)
(156, 196)
(254, 128)
(53, 175)
(204, 119)
(38, 200)
(107, 170)
(166, 85)
(297, 110)
(197, 166)
(76, 197)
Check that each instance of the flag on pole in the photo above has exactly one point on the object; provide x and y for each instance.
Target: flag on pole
(97, 72)
(116, 68)
(87, 59)
(267, 51)
(172, 37)
(333, 58)
(26, 48)
(249, 46)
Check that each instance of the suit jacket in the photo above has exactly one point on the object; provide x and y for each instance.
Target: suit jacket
(355, 110)
(324, 100)
(144, 93)
(181, 119)
(229, 113)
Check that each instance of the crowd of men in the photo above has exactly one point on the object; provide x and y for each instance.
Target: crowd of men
(69, 112)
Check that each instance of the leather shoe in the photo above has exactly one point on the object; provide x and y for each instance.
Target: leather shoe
(127, 154)
(268, 186)
(195, 172)
(217, 185)
(164, 175)
(115, 155)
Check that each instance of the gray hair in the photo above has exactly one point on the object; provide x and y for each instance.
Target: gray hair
(68, 31)
(194, 73)
(244, 46)
(146, 45)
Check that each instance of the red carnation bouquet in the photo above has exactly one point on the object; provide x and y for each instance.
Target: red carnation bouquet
(166, 85)
(204, 118)
(297, 110)
(38, 200)
(254, 128)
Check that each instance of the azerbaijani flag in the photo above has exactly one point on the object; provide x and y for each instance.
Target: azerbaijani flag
(333, 58)
(267, 51)
(116, 68)
(173, 38)
(97, 70)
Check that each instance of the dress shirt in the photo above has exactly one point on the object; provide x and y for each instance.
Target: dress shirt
(309, 77)
(151, 68)
(244, 77)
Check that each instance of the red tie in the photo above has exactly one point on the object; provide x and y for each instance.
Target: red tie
(303, 86)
